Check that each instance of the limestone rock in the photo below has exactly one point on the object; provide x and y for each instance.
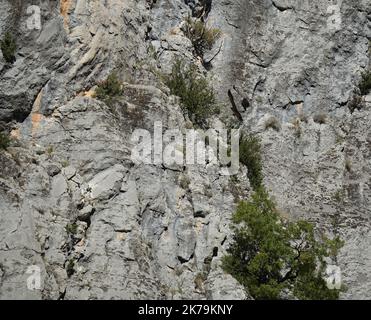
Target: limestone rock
(98, 225)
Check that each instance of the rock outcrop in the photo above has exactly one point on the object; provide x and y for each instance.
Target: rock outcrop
(99, 226)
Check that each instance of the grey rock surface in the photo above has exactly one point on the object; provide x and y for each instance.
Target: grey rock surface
(99, 226)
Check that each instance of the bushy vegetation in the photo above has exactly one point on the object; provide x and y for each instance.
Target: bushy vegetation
(365, 84)
(110, 89)
(356, 103)
(70, 267)
(202, 37)
(71, 228)
(251, 158)
(197, 96)
(271, 257)
(4, 141)
(184, 182)
(272, 123)
(8, 48)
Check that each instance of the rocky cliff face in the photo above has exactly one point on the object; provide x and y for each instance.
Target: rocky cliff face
(99, 226)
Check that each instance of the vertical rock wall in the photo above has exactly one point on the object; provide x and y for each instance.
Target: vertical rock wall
(99, 226)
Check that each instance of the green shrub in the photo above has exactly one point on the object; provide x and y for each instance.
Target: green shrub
(65, 163)
(250, 156)
(8, 48)
(49, 150)
(4, 141)
(269, 256)
(184, 182)
(109, 89)
(70, 267)
(365, 85)
(339, 196)
(202, 37)
(197, 97)
(71, 228)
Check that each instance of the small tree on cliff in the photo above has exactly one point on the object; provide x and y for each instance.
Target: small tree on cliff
(109, 90)
(269, 256)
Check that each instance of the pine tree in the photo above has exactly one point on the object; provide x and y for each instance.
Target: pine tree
(270, 256)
